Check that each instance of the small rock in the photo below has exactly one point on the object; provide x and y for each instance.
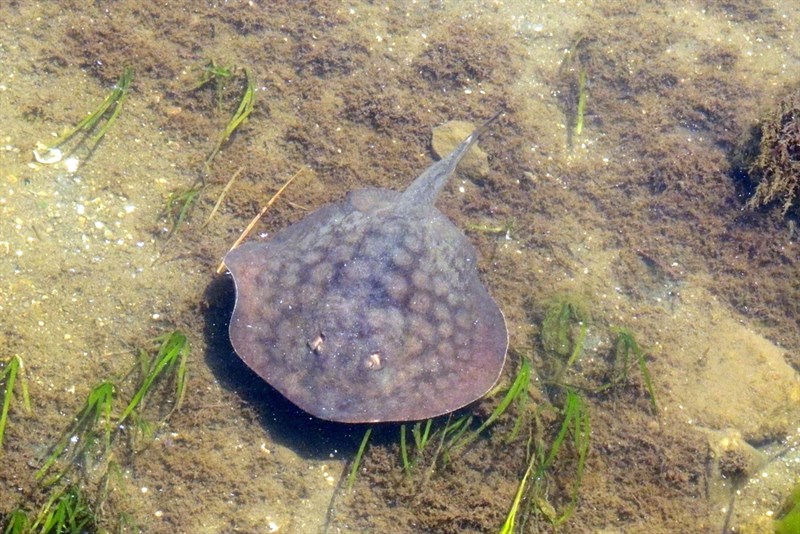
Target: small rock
(733, 456)
(732, 460)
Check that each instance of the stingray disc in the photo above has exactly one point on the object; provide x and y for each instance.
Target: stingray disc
(369, 310)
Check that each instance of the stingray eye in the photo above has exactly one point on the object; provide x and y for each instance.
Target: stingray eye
(374, 361)
(316, 344)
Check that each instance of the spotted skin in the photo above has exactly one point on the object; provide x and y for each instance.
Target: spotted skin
(370, 309)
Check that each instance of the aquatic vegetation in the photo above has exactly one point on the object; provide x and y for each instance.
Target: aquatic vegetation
(565, 444)
(84, 431)
(246, 106)
(455, 434)
(531, 489)
(575, 87)
(168, 361)
(627, 352)
(90, 437)
(581, 107)
(557, 335)
(776, 167)
(404, 449)
(178, 205)
(90, 126)
(563, 333)
(66, 511)
(450, 432)
(216, 74)
(17, 523)
(576, 421)
(351, 478)
(458, 432)
(421, 436)
(518, 391)
(420, 441)
(89, 442)
(447, 437)
(10, 372)
(507, 228)
(454, 430)
(788, 521)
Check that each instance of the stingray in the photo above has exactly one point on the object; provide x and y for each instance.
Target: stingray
(370, 309)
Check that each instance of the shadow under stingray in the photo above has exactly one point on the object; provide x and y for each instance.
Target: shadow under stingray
(286, 424)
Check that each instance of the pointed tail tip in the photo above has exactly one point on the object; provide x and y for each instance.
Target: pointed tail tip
(487, 124)
(494, 117)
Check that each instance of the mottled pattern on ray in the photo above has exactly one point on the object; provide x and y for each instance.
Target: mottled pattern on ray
(370, 309)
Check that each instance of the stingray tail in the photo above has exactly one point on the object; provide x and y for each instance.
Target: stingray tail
(426, 187)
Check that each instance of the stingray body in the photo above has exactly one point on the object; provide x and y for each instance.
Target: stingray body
(370, 309)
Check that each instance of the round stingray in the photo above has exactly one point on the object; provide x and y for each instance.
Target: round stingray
(370, 309)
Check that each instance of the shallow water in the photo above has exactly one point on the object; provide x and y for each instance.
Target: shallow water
(638, 216)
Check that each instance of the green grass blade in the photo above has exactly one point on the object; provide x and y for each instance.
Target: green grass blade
(178, 206)
(578, 347)
(417, 433)
(87, 123)
(246, 107)
(453, 434)
(518, 387)
(404, 449)
(511, 518)
(522, 413)
(456, 429)
(65, 511)
(581, 108)
(9, 376)
(115, 98)
(648, 381)
(18, 522)
(438, 450)
(576, 422)
(118, 97)
(581, 430)
(23, 382)
(213, 72)
(571, 409)
(98, 404)
(351, 478)
(180, 376)
(421, 437)
(173, 351)
(425, 434)
(624, 346)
